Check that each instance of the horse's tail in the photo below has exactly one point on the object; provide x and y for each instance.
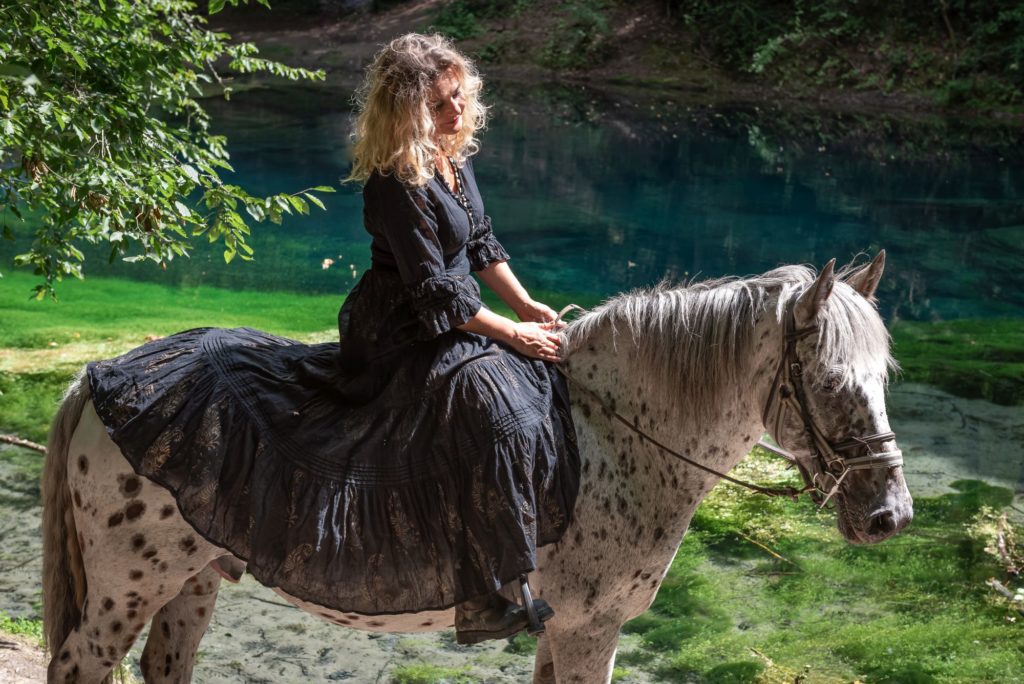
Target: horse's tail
(63, 570)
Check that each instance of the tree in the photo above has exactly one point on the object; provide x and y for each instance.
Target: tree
(103, 138)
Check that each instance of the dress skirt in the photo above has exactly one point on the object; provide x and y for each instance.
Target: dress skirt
(361, 478)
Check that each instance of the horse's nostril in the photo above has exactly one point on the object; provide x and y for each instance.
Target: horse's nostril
(883, 523)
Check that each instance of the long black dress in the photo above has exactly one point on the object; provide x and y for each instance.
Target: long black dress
(409, 468)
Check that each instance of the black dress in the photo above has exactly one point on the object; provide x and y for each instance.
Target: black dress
(409, 468)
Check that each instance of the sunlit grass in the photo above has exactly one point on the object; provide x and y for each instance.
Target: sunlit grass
(30, 628)
(912, 609)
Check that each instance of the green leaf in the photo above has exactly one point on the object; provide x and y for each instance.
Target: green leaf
(324, 188)
(215, 6)
(300, 204)
(182, 209)
(191, 172)
(314, 199)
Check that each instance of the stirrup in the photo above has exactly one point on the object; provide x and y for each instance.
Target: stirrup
(534, 619)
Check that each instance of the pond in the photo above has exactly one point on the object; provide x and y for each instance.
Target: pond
(593, 194)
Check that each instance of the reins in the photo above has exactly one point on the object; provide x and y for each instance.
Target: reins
(790, 492)
(827, 462)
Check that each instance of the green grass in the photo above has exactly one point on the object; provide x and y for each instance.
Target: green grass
(100, 309)
(969, 358)
(30, 628)
(912, 609)
(43, 343)
(423, 673)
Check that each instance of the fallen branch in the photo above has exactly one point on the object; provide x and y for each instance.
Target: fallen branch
(766, 549)
(1003, 591)
(18, 441)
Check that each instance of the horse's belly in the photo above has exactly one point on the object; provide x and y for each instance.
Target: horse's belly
(427, 621)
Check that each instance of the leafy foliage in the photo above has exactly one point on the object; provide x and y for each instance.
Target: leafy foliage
(103, 137)
(580, 38)
(460, 19)
(965, 50)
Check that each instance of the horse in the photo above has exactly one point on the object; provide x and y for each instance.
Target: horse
(671, 387)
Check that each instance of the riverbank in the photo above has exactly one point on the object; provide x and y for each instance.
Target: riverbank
(647, 49)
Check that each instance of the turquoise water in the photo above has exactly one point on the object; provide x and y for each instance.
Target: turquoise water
(596, 194)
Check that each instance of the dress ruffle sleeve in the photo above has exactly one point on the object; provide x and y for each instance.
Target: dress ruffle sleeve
(442, 301)
(483, 249)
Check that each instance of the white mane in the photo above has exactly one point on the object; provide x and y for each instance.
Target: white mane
(700, 336)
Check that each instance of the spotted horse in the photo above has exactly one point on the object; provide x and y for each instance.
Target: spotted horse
(672, 386)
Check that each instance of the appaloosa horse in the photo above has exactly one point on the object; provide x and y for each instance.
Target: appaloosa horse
(702, 369)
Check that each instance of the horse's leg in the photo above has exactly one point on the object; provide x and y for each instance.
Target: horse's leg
(583, 653)
(543, 665)
(136, 552)
(177, 629)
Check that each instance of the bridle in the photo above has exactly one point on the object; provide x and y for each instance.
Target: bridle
(828, 468)
(829, 465)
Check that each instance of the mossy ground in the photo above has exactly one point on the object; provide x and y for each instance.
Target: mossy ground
(977, 359)
(912, 609)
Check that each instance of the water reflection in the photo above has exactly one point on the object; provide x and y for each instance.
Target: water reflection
(595, 194)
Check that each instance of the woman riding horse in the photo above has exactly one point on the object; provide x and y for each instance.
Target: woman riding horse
(420, 463)
(418, 306)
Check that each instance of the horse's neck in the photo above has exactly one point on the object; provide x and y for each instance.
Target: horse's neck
(607, 366)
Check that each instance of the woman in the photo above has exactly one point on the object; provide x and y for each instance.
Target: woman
(419, 463)
(417, 312)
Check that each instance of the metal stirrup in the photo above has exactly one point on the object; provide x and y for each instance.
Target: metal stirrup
(535, 627)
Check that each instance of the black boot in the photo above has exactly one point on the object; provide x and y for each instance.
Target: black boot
(495, 617)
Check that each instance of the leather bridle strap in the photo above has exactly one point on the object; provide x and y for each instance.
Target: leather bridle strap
(828, 461)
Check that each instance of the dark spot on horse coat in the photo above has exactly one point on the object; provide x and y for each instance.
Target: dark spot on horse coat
(115, 519)
(131, 614)
(83, 464)
(200, 611)
(108, 603)
(165, 628)
(116, 627)
(129, 485)
(149, 553)
(134, 510)
(135, 575)
(188, 545)
(166, 512)
(78, 499)
(138, 541)
(375, 623)
(658, 533)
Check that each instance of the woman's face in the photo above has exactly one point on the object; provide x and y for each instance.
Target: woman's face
(446, 104)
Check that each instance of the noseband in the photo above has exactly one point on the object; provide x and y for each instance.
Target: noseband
(829, 465)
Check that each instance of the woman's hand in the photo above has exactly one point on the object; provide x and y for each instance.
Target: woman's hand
(536, 340)
(535, 312)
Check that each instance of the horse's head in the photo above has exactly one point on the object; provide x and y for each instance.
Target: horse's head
(827, 402)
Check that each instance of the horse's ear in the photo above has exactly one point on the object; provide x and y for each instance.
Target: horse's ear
(865, 280)
(811, 301)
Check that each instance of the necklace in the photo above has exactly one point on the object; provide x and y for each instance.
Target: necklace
(460, 194)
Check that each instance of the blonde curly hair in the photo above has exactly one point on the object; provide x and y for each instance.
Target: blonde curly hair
(394, 129)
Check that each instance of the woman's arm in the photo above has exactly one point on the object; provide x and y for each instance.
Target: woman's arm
(500, 278)
(537, 340)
